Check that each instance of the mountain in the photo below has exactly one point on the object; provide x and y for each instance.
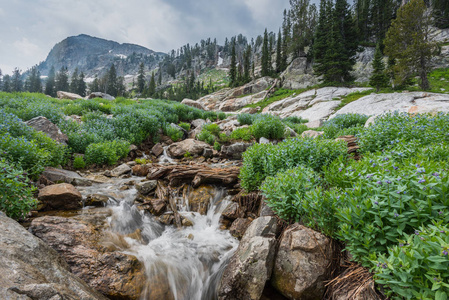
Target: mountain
(94, 56)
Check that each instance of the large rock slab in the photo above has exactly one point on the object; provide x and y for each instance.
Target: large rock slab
(235, 151)
(48, 128)
(30, 269)
(414, 102)
(193, 103)
(302, 263)
(120, 170)
(251, 265)
(194, 147)
(61, 196)
(60, 175)
(100, 95)
(67, 95)
(116, 275)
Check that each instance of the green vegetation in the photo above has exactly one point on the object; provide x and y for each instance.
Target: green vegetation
(174, 133)
(268, 126)
(276, 96)
(345, 124)
(78, 162)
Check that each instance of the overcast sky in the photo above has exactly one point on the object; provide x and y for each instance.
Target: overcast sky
(30, 28)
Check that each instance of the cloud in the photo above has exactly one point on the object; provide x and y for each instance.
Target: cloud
(31, 28)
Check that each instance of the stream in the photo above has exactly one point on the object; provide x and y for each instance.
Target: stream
(180, 263)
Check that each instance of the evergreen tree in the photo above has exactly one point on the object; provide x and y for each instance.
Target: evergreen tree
(7, 83)
(303, 22)
(382, 13)
(16, 81)
(247, 65)
(362, 10)
(322, 36)
(111, 85)
(233, 66)
(50, 88)
(265, 61)
(441, 13)
(408, 42)
(378, 77)
(95, 85)
(35, 84)
(81, 86)
(121, 88)
(62, 80)
(74, 81)
(279, 53)
(286, 27)
(141, 79)
(159, 80)
(152, 86)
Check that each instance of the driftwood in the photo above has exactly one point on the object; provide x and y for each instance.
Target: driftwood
(270, 90)
(195, 174)
(352, 144)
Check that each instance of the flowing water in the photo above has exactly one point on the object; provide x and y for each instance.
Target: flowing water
(180, 264)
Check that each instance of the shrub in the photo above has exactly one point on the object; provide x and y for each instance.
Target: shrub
(341, 124)
(284, 193)
(295, 120)
(142, 161)
(174, 133)
(417, 268)
(270, 127)
(206, 136)
(212, 128)
(221, 116)
(246, 119)
(106, 152)
(78, 162)
(185, 126)
(297, 127)
(241, 134)
(217, 146)
(17, 198)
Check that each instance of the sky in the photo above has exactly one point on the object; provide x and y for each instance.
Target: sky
(30, 28)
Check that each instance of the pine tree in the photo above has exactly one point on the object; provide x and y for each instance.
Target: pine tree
(279, 53)
(363, 15)
(286, 27)
(382, 13)
(303, 22)
(322, 36)
(94, 86)
(233, 66)
(159, 80)
(7, 83)
(74, 81)
(152, 86)
(16, 81)
(62, 80)
(408, 42)
(265, 61)
(441, 13)
(141, 79)
(81, 86)
(111, 86)
(50, 88)
(378, 77)
(34, 80)
(247, 65)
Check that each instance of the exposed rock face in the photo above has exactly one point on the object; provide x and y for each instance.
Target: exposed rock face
(200, 197)
(67, 95)
(62, 196)
(236, 150)
(32, 270)
(101, 95)
(299, 75)
(60, 175)
(193, 103)
(116, 275)
(198, 123)
(157, 149)
(415, 102)
(313, 105)
(239, 226)
(194, 147)
(46, 126)
(302, 262)
(251, 265)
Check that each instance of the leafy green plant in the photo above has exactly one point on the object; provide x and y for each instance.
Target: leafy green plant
(187, 155)
(174, 133)
(221, 116)
(268, 126)
(185, 126)
(344, 124)
(17, 194)
(217, 146)
(78, 162)
(246, 119)
(295, 120)
(418, 267)
(206, 136)
(242, 133)
(142, 161)
(106, 152)
(212, 128)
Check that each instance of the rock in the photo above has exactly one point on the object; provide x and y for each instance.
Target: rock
(408, 102)
(194, 147)
(157, 207)
(370, 121)
(97, 200)
(208, 153)
(251, 265)
(198, 123)
(100, 95)
(186, 222)
(97, 178)
(184, 132)
(290, 132)
(265, 210)
(116, 275)
(157, 149)
(193, 103)
(48, 128)
(146, 187)
(140, 170)
(236, 150)
(312, 133)
(318, 111)
(120, 170)
(302, 263)
(67, 95)
(263, 140)
(232, 211)
(200, 198)
(60, 175)
(32, 270)
(239, 227)
(167, 218)
(314, 124)
(62, 196)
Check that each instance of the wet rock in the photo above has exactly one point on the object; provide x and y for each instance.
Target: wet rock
(120, 170)
(200, 197)
(48, 128)
(116, 275)
(193, 103)
(167, 218)
(236, 150)
(302, 263)
(194, 147)
(157, 207)
(146, 187)
(232, 211)
(141, 170)
(62, 196)
(98, 178)
(157, 149)
(67, 95)
(186, 222)
(239, 227)
(250, 267)
(312, 133)
(97, 200)
(100, 95)
(60, 176)
(32, 270)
